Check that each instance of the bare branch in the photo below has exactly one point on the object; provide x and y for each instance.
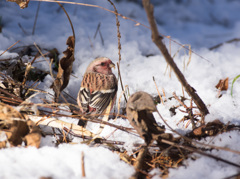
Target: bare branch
(157, 39)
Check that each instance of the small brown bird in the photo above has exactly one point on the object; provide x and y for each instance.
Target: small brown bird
(98, 88)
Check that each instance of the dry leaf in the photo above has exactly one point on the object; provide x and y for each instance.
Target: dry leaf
(15, 130)
(210, 129)
(222, 84)
(65, 68)
(22, 3)
(16, 127)
(34, 137)
(3, 144)
(139, 112)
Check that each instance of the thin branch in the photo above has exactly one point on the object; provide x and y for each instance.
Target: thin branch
(119, 45)
(9, 47)
(118, 31)
(157, 39)
(158, 91)
(229, 41)
(68, 18)
(35, 21)
(121, 82)
(83, 165)
(20, 26)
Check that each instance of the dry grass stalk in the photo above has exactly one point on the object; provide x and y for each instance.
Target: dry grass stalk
(50, 64)
(68, 19)
(229, 41)
(36, 16)
(163, 91)
(9, 48)
(138, 165)
(158, 91)
(23, 30)
(188, 110)
(119, 74)
(98, 31)
(119, 45)
(83, 165)
(119, 101)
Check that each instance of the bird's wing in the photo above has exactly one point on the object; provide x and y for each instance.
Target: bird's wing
(101, 99)
(97, 100)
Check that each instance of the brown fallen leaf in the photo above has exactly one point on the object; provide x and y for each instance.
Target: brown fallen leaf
(65, 68)
(210, 129)
(139, 112)
(45, 178)
(15, 130)
(3, 144)
(222, 85)
(16, 127)
(34, 136)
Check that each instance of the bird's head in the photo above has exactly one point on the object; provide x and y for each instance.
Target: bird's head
(101, 65)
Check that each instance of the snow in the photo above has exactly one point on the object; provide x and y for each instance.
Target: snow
(201, 24)
(62, 162)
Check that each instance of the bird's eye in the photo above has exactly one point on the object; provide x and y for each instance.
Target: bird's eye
(103, 64)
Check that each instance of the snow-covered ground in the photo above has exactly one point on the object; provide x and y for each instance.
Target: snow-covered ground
(200, 24)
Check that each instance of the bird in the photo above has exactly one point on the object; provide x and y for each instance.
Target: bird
(98, 88)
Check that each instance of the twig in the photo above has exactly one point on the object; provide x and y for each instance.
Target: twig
(35, 21)
(98, 27)
(20, 26)
(188, 110)
(119, 101)
(139, 162)
(158, 91)
(28, 68)
(16, 98)
(101, 37)
(50, 66)
(99, 31)
(229, 41)
(83, 166)
(119, 74)
(175, 96)
(9, 47)
(157, 39)
(119, 46)
(118, 31)
(68, 19)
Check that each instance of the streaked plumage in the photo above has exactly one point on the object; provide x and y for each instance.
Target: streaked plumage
(98, 87)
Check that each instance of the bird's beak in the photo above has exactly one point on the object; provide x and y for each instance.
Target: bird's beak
(112, 65)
